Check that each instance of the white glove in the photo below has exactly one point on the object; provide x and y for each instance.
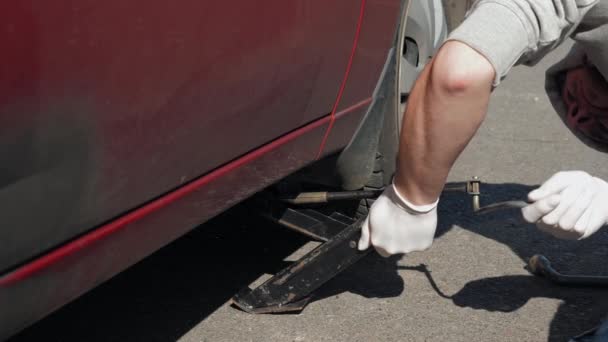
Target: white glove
(569, 205)
(396, 226)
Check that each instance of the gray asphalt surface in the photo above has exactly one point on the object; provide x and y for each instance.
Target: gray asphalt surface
(477, 290)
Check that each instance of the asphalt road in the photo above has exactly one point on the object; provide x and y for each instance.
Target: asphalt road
(477, 290)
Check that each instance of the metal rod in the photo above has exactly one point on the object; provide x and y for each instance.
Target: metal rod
(496, 206)
(325, 196)
(455, 187)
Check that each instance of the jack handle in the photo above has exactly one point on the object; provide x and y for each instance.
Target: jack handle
(472, 188)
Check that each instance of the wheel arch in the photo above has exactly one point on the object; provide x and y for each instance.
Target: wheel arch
(374, 145)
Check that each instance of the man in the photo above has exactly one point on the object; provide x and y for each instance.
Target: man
(449, 101)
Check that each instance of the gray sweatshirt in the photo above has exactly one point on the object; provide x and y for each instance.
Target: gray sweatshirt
(511, 32)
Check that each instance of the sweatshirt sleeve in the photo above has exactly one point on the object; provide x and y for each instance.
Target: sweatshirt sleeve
(509, 32)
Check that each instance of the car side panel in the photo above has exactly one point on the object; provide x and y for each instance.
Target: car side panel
(46, 283)
(106, 105)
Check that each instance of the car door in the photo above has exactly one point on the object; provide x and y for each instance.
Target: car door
(105, 105)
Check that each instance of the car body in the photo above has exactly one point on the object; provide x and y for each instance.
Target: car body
(125, 125)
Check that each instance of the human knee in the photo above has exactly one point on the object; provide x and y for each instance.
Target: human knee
(459, 70)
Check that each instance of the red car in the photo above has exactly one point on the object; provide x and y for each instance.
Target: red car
(124, 125)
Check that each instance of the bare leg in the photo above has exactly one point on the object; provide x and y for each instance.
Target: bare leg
(446, 107)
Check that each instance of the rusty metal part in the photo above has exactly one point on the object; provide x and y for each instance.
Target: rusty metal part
(309, 222)
(455, 187)
(290, 289)
(541, 266)
(327, 196)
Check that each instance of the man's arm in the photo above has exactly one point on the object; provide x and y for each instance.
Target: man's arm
(450, 99)
(445, 108)
(448, 103)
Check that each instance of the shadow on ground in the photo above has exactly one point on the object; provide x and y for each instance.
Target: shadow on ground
(581, 308)
(167, 294)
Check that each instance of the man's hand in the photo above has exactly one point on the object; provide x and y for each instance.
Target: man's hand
(396, 226)
(570, 205)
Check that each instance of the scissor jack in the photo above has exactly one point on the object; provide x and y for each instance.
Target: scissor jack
(290, 290)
